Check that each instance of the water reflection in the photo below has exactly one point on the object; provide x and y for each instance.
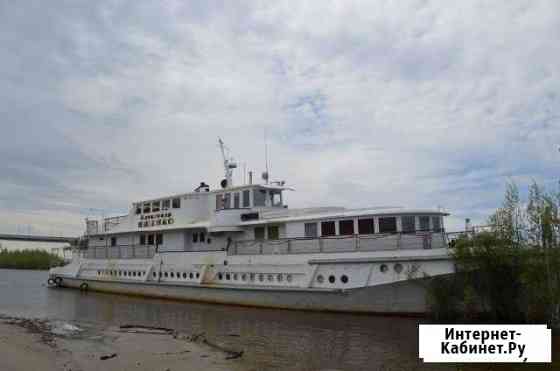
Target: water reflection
(272, 339)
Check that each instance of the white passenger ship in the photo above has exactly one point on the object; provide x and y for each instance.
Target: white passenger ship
(242, 245)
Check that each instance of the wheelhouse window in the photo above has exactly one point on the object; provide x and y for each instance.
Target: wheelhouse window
(176, 202)
(436, 223)
(275, 198)
(388, 224)
(155, 206)
(273, 232)
(236, 200)
(219, 202)
(147, 208)
(227, 201)
(142, 239)
(166, 204)
(259, 233)
(328, 229)
(311, 230)
(346, 227)
(259, 197)
(247, 198)
(150, 239)
(366, 226)
(159, 239)
(424, 223)
(407, 222)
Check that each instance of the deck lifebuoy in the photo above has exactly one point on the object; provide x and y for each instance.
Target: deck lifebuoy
(84, 286)
(50, 282)
(171, 221)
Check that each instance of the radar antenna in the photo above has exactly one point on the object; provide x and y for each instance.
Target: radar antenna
(229, 165)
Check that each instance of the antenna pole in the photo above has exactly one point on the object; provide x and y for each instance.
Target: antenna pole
(266, 155)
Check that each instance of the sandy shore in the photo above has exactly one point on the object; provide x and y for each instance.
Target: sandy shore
(42, 345)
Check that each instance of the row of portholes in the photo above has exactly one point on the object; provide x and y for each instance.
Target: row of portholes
(332, 279)
(176, 275)
(106, 272)
(261, 277)
(384, 268)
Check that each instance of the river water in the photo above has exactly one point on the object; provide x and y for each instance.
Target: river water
(271, 339)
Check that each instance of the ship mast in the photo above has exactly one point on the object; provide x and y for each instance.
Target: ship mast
(229, 165)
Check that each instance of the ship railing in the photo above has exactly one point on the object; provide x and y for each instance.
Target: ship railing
(334, 244)
(120, 252)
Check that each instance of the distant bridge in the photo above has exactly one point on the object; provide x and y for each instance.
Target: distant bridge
(32, 238)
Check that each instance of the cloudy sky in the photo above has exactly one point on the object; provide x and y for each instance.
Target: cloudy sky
(405, 103)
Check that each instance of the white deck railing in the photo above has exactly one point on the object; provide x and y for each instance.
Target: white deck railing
(378, 242)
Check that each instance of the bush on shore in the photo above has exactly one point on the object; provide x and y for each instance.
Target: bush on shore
(28, 259)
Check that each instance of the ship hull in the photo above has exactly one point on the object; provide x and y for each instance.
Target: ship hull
(405, 297)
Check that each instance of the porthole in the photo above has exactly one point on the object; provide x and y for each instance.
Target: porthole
(185, 275)
(398, 267)
(172, 275)
(320, 278)
(383, 268)
(220, 276)
(244, 277)
(261, 277)
(252, 277)
(344, 278)
(279, 277)
(289, 278)
(134, 274)
(166, 274)
(235, 276)
(197, 274)
(154, 274)
(191, 275)
(332, 279)
(270, 277)
(228, 276)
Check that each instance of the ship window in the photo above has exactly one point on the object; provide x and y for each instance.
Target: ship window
(113, 241)
(276, 198)
(176, 202)
(166, 204)
(311, 230)
(424, 223)
(328, 229)
(407, 223)
(273, 232)
(259, 197)
(142, 239)
(201, 236)
(246, 198)
(155, 206)
(219, 202)
(195, 237)
(365, 226)
(159, 239)
(146, 207)
(138, 209)
(150, 239)
(346, 227)
(436, 225)
(388, 224)
(236, 200)
(227, 201)
(259, 233)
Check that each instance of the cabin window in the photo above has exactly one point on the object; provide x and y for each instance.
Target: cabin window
(273, 232)
(328, 229)
(142, 239)
(436, 225)
(155, 206)
(219, 202)
(259, 233)
(147, 207)
(366, 226)
(195, 237)
(247, 198)
(408, 223)
(236, 200)
(176, 202)
(259, 197)
(202, 237)
(346, 227)
(166, 204)
(150, 239)
(138, 209)
(311, 230)
(424, 223)
(275, 198)
(227, 201)
(388, 224)
(113, 241)
(159, 239)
